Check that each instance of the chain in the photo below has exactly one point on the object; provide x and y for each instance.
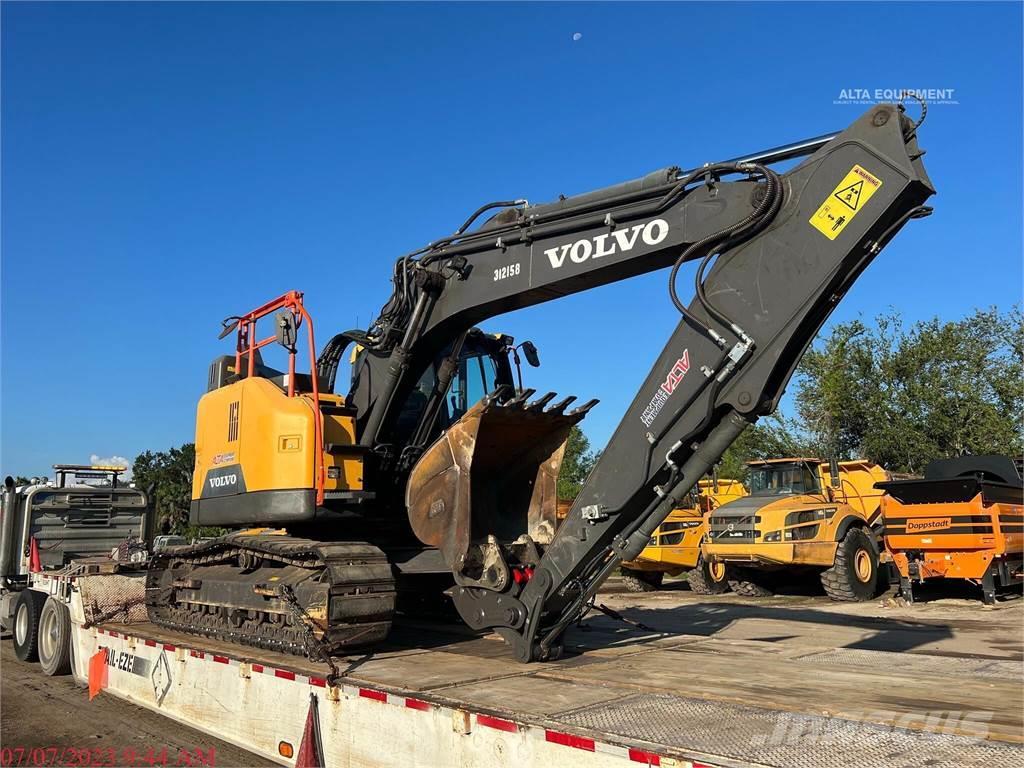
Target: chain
(315, 648)
(123, 608)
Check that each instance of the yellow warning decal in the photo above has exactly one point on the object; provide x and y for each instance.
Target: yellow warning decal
(845, 201)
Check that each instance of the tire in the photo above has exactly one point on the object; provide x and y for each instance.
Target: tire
(749, 583)
(854, 575)
(703, 579)
(641, 581)
(25, 629)
(55, 638)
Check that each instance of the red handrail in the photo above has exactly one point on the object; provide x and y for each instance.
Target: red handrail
(246, 329)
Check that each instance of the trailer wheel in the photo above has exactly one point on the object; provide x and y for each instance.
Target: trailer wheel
(641, 581)
(55, 638)
(750, 583)
(708, 578)
(26, 624)
(854, 576)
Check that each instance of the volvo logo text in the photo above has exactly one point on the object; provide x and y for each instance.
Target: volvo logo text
(619, 241)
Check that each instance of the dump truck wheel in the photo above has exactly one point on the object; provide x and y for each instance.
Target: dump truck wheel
(854, 576)
(55, 638)
(749, 583)
(708, 578)
(26, 624)
(641, 581)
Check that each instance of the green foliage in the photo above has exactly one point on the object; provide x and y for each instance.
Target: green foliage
(576, 464)
(773, 437)
(902, 397)
(22, 480)
(167, 477)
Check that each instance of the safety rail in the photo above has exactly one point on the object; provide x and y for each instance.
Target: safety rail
(245, 326)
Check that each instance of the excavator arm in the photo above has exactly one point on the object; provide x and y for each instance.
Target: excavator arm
(776, 253)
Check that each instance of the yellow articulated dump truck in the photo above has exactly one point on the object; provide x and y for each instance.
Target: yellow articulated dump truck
(802, 514)
(675, 544)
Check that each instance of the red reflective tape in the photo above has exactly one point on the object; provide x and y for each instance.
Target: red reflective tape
(648, 758)
(197, 654)
(221, 659)
(422, 706)
(568, 740)
(151, 643)
(257, 667)
(366, 693)
(319, 682)
(112, 634)
(497, 723)
(169, 647)
(284, 673)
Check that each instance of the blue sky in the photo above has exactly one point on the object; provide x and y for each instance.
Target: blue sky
(165, 165)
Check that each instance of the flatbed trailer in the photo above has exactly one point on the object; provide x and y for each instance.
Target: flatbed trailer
(439, 695)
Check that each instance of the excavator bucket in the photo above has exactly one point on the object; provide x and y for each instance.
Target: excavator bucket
(493, 473)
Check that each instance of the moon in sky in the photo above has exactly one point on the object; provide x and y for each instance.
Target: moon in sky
(577, 36)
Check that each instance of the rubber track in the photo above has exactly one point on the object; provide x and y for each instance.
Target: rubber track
(331, 558)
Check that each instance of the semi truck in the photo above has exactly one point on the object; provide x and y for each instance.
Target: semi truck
(83, 515)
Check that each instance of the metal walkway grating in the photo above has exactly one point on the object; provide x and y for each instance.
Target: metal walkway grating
(785, 739)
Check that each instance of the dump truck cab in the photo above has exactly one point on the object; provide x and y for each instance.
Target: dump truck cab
(802, 512)
(675, 544)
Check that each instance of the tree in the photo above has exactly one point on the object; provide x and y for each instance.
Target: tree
(577, 462)
(902, 397)
(167, 477)
(773, 437)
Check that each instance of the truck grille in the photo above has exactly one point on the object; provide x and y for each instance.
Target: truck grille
(733, 528)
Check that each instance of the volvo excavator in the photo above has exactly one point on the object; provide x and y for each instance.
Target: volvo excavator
(434, 463)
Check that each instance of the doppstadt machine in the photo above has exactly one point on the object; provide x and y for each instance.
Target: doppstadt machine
(963, 520)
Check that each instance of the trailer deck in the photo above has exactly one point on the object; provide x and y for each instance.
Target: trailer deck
(782, 682)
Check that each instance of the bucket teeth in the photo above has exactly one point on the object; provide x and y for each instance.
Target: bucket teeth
(560, 406)
(520, 399)
(582, 410)
(499, 395)
(538, 405)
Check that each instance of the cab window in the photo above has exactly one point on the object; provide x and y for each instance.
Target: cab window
(778, 479)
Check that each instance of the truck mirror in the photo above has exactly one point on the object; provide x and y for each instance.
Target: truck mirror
(285, 329)
(530, 351)
(833, 470)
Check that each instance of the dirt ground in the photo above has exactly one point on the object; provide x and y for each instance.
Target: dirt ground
(39, 712)
(36, 711)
